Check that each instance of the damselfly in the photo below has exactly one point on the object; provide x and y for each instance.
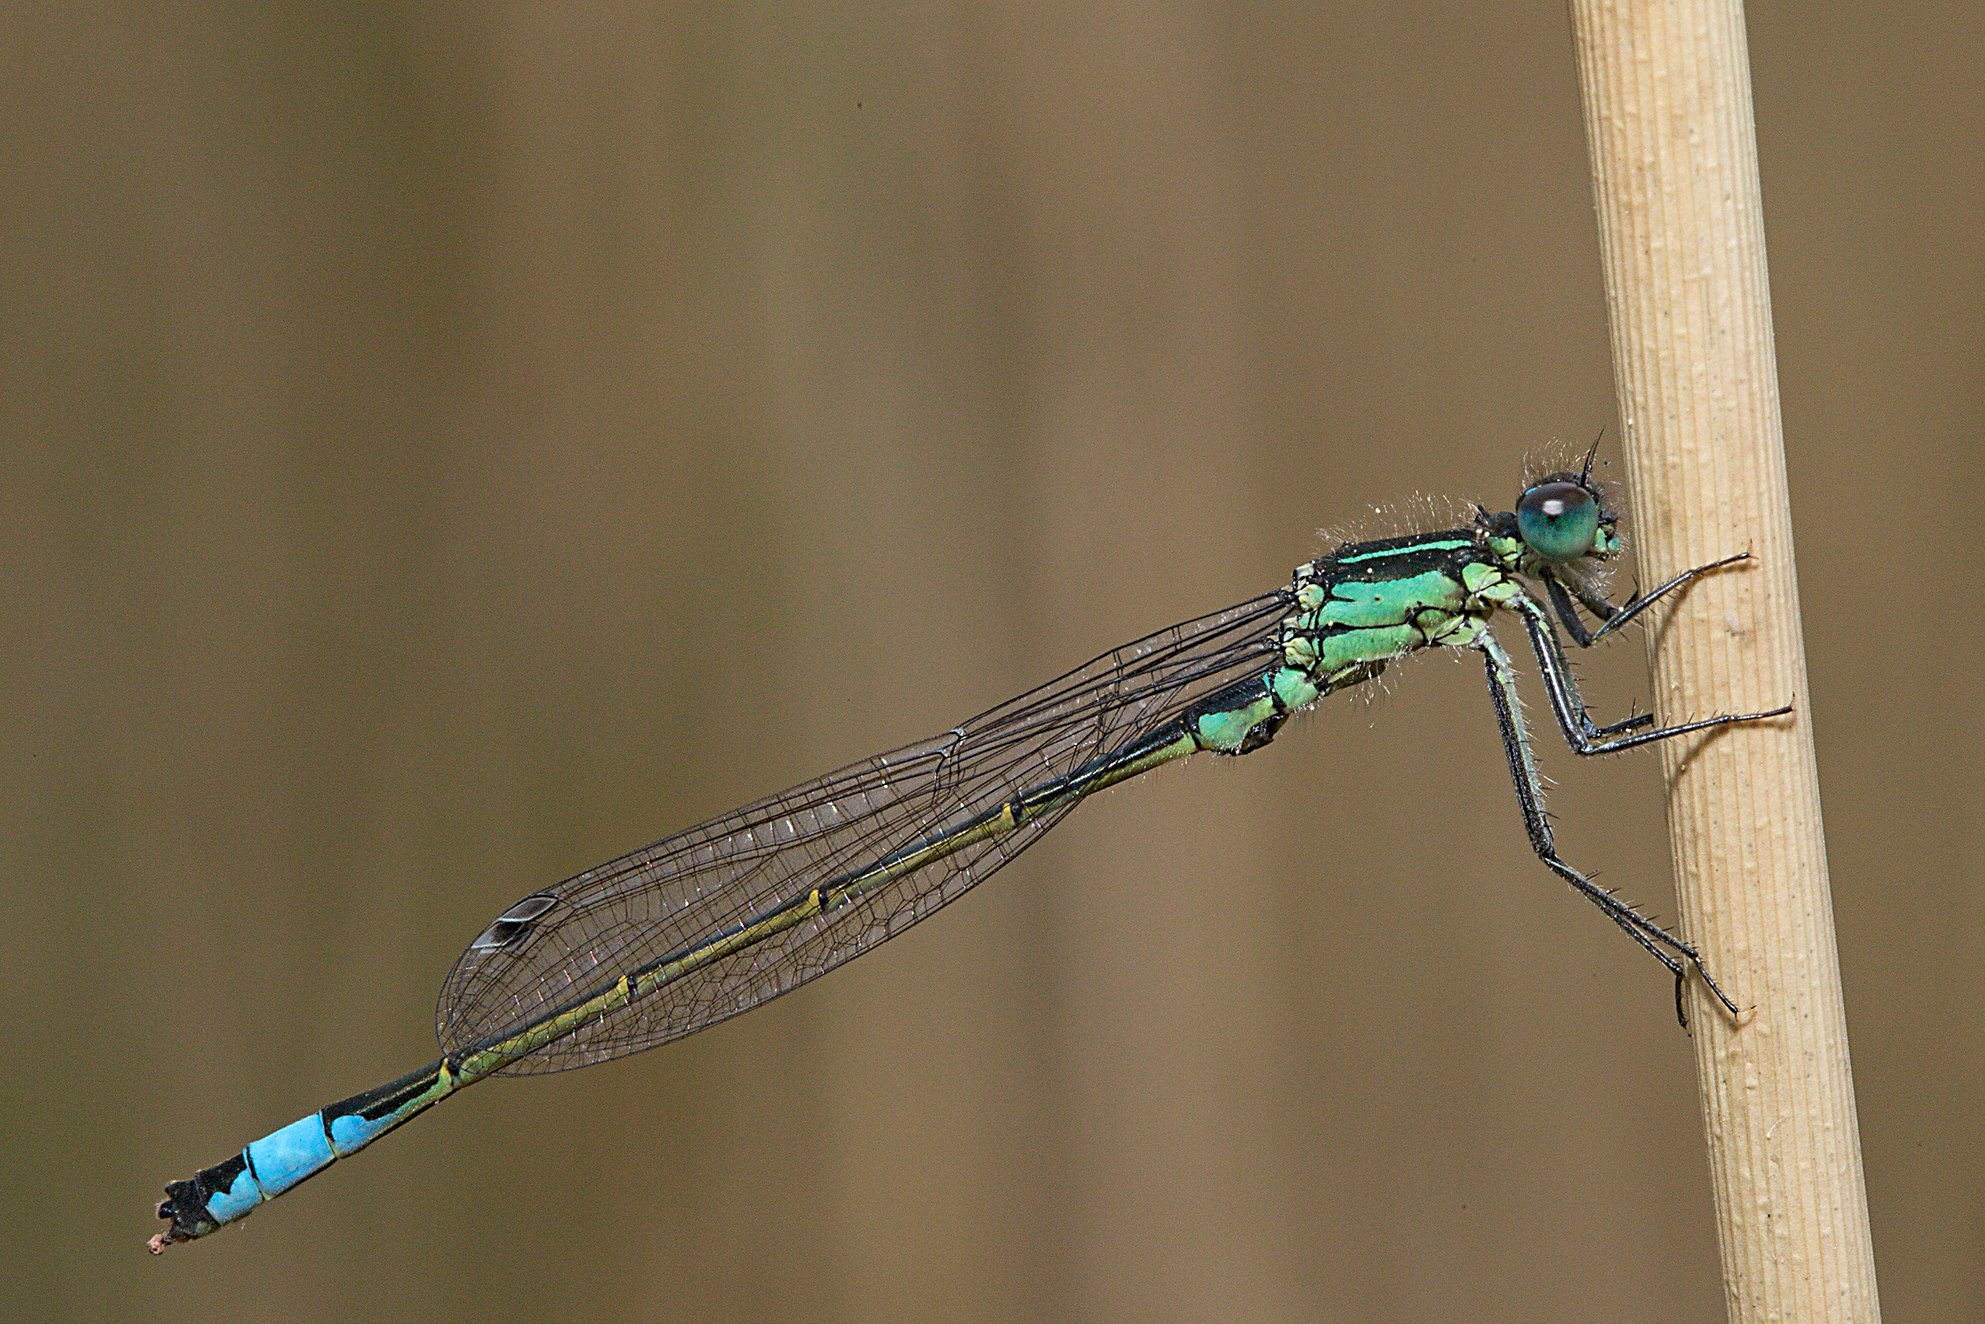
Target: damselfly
(723, 917)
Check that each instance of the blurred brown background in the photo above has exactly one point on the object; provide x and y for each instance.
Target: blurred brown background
(429, 433)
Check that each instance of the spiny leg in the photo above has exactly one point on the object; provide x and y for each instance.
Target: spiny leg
(1606, 611)
(1612, 617)
(1569, 615)
(1575, 719)
(1677, 955)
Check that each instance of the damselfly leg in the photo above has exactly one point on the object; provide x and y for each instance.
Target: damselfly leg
(1611, 616)
(1678, 956)
(1587, 738)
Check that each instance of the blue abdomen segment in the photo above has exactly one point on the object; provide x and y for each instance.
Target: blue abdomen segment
(241, 1193)
(283, 1158)
(214, 1197)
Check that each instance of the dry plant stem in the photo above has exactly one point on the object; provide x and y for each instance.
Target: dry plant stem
(1667, 97)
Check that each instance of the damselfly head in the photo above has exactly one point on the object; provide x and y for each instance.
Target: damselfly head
(1563, 518)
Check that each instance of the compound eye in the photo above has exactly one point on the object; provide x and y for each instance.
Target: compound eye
(1559, 521)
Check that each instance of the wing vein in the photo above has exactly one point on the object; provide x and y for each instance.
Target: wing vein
(720, 878)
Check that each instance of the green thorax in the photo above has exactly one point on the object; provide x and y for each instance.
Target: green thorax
(1369, 602)
(1359, 608)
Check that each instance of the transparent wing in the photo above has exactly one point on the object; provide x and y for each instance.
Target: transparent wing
(566, 943)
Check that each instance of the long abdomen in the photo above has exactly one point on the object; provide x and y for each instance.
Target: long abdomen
(214, 1197)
